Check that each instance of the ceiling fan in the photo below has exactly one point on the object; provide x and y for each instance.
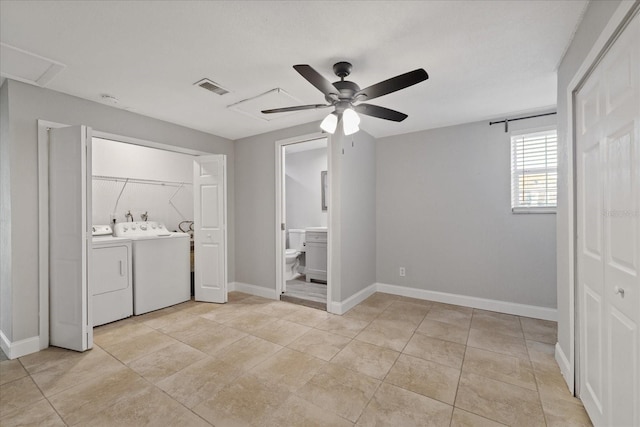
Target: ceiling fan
(346, 97)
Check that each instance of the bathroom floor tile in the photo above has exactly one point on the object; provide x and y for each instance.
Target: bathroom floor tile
(509, 369)
(250, 321)
(362, 312)
(191, 325)
(150, 407)
(499, 401)
(379, 301)
(247, 401)
(498, 343)
(199, 381)
(288, 369)
(11, 370)
(320, 344)
(247, 352)
(167, 361)
(392, 334)
(344, 326)
(394, 406)
(443, 331)
(340, 390)
(504, 324)
(81, 402)
(66, 375)
(366, 358)
(540, 330)
(449, 314)
(551, 383)
(214, 340)
(109, 335)
(541, 352)
(405, 312)
(463, 418)
(281, 332)
(565, 412)
(444, 352)
(425, 377)
(299, 412)
(133, 348)
(278, 309)
(40, 414)
(18, 394)
(308, 316)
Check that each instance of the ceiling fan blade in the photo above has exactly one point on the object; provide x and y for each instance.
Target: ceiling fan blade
(393, 84)
(296, 108)
(316, 79)
(380, 112)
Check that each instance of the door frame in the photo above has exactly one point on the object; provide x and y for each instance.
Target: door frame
(43, 209)
(569, 363)
(279, 220)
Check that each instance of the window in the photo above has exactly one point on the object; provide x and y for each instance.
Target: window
(534, 172)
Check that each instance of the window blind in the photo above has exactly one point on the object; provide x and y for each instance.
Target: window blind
(534, 171)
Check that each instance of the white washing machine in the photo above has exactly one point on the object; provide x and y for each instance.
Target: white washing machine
(111, 276)
(161, 266)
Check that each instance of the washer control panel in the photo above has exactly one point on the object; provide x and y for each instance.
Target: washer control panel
(101, 230)
(139, 228)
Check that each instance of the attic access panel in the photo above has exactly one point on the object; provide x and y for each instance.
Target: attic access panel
(275, 98)
(27, 67)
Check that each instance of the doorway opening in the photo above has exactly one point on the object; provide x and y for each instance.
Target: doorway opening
(303, 193)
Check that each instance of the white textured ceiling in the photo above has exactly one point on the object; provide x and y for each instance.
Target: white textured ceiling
(484, 58)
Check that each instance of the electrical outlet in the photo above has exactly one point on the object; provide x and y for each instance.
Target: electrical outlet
(403, 272)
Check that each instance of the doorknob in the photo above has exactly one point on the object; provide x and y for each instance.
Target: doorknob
(620, 291)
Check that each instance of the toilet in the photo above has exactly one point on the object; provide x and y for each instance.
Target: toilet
(293, 252)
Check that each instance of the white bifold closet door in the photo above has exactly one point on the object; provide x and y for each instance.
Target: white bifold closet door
(70, 323)
(608, 229)
(210, 228)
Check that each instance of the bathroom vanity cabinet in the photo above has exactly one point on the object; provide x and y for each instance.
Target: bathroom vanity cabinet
(316, 254)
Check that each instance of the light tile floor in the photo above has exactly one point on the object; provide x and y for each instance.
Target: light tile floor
(389, 361)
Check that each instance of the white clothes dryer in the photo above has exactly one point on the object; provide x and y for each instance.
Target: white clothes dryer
(161, 265)
(111, 276)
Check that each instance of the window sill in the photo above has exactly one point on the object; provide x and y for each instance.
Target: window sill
(533, 210)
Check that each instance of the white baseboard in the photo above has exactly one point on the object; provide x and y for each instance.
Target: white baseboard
(352, 301)
(247, 288)
(16, 349)
(565, 367)
(474, 302)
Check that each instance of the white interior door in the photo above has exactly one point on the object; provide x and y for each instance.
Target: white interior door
(608, 247)
(210, 228)
(71, 323)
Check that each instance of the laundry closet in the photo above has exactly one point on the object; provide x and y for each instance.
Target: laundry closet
(142, 217)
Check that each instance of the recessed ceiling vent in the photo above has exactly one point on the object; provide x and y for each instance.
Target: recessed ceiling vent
(211, 86)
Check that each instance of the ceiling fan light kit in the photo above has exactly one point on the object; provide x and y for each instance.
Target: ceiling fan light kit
(346, 97)
(330, 123)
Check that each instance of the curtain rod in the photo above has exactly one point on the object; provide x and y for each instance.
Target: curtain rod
(506, 121)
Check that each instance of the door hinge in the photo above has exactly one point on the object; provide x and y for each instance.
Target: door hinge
(282, 226)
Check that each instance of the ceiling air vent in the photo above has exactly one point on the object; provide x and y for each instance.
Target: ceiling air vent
(211, 86)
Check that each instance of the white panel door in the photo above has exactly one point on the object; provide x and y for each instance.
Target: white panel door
(71, 324)
(608, 218)
(210, 228)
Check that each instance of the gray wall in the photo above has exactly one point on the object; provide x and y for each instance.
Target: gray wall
(5, 216)
(357, 214)
(444, 213)
(303, 188)
(595, 19)
(27, 104)
(255, 200)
